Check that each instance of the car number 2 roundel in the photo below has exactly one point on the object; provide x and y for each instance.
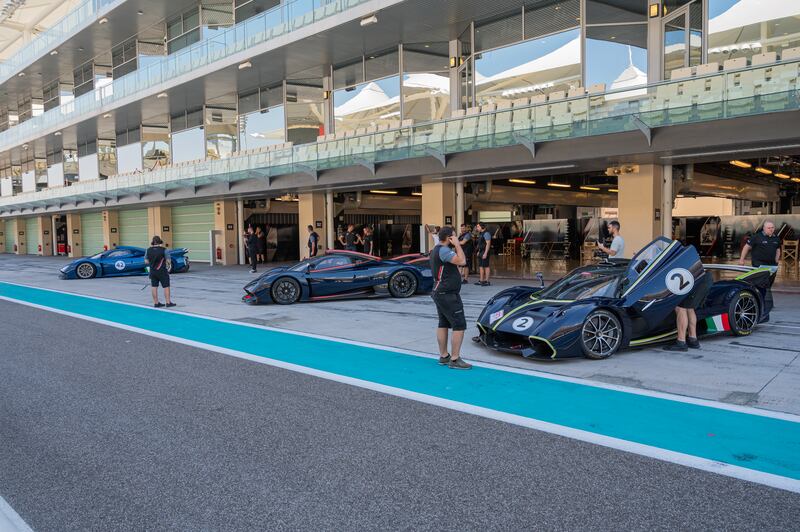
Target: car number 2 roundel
(120, 265)
(679, 281)
(522, 324)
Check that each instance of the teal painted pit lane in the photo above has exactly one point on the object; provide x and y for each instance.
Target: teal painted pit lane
(759, 443)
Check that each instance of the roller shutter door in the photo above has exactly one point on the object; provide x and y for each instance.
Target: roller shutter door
(32, 236)
(191, 225)
(133, 228)
(8, 234)
(92, 233)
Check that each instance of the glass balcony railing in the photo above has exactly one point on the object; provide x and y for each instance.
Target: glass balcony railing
(53, 37)
(725, 95)
(280, 20)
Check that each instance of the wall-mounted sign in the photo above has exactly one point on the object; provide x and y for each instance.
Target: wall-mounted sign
(76, 231)
(113, 229)
(1, 233)
(46, 232)
(22, 233)
(448, 220)
(229, 227)
(165, 229)
(658, 214)
(318, 224)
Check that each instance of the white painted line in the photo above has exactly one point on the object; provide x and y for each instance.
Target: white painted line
(10, 521)
(489, 365)
(712, 466)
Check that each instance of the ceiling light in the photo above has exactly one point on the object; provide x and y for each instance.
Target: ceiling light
(24, 146)
(21, 74)
(246, 64)
(367, 21)
(161, 95)
(559, 185)
(796, 179)
(782, 176)
(140, 12)
(54, 52)
(523, 181)
(107, 115)
(613, 190)
(762, 170)
(586, 187)
(741, 164)
(102, 20)
(416, 193)
(383, 192)
(57, 133)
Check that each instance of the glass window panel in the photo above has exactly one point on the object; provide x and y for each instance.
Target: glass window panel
(107, 158)
(426, 96)
(674, 45)
(426, 57)
(616, 55)
(616, 11)
(348, 75)
(155, 147)
(220, 141)
(671, 5)
(551, 18)
(381, 66)
(498, 32)
(735, 29)
(188, 145)
(129, 158)
(191, 19)
(262, 128)
(304, 122)
(271, 96)
(528, 68)
(248, 102)
(368, 104)
(309, 91)
(174, 28)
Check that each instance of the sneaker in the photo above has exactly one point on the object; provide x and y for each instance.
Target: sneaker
(677, 346)
(170, 304)
(458, 363)
(476, 339)
(692, 343)
(464, 281)
(479, 283)
(253, 271)
(158, 305)
(486, 283)
(443, 361)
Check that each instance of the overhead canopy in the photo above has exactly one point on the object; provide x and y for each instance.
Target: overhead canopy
(22, 20)
(748, 12)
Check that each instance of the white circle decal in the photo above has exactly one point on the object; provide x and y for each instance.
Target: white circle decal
(120, 265)
(679, 281)
(522, 324)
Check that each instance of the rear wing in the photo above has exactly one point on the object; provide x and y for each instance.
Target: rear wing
(761, 276)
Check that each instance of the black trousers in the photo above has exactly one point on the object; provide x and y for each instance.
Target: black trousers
(251, 254)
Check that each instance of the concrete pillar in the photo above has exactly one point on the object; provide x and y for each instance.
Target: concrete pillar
(667, 201)
(330, 223)
(640, 204)
(438, 207)
(240, 225)
(45, 227)
(459, 219)
(228, 238)
(3, 237)
(159, 222)
(20, 237)
(110, 229)
(311, 211)
(74, 238)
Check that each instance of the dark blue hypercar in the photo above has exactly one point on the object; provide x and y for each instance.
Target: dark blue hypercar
(341, 275)
(120, 261)
(597, 310)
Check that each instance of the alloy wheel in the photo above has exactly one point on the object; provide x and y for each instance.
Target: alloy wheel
(286, 291)
(85, 271)
(745, 313)
(601, 335)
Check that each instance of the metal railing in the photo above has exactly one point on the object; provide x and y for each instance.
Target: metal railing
(730, 94)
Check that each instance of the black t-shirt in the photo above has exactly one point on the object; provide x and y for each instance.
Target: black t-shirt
(350, 240)
(764, 249)
(446, 277)
(368, 244)
(469, 246)
(157, 258)
(313, 238)
(252, 241)
(483, 242)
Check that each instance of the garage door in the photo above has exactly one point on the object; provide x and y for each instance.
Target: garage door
(133, 228)
(8, 234)
(92, 233)
(32, 236)
(190, 226)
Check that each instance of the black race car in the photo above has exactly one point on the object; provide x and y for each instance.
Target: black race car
(596, 310)
(342, 275)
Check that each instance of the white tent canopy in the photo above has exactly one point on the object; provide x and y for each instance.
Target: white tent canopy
(749, 12)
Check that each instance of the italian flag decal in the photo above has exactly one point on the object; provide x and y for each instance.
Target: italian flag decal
(718, 323)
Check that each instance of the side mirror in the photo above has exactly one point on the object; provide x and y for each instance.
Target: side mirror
(540, 277)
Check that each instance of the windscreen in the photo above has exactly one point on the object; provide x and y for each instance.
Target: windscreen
(583, 284)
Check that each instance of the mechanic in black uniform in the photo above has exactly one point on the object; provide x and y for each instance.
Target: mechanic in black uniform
(686, 315)
(467, 244)
(484, 254)
(369, 241)
(446, 258)
(251, 243)
(156, 258)
(313, 242)
(765, 246)
(348, 240)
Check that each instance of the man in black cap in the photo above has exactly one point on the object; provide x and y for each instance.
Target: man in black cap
(446, 258)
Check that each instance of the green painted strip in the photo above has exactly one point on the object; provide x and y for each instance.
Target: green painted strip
(753, 272)
(758, 443)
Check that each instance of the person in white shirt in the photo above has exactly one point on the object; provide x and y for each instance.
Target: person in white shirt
(617, 248)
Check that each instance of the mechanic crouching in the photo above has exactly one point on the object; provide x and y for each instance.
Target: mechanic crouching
(686, 317)
(446, 259)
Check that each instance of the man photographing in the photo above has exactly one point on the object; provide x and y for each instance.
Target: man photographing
(446, 259)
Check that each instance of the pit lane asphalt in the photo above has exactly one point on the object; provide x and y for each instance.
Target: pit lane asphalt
(157, 435)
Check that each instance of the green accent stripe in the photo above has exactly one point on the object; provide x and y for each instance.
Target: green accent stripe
(755, 442)
(753, 272)
(652, 339)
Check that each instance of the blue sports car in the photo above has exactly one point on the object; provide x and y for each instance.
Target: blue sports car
(341, 275)
(120, 261)
(596, 310)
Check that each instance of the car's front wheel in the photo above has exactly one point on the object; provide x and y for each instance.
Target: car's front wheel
(85, 270)
(285, 291)
(601, 335)
(402, 284)
(743, 313)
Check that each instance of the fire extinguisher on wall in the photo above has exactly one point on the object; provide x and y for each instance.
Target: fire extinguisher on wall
(40, 248)
(219, 253)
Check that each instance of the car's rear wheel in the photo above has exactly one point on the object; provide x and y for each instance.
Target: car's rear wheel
(402, 284)
(285, 291)
(743, 313)
(85, 270)
(601, 335)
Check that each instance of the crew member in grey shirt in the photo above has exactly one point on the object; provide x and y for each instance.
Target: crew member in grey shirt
(617, 248)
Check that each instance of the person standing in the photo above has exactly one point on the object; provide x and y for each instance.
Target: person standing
(765, 247)
(157, 260)
(348, 240)
(369, 241)
(313, 242)
(617, 248)
(465, 239)
(251, 243)
(484, 254)
(686, 315)
(446, 258)
(261, 247)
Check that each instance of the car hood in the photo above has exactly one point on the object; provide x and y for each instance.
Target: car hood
(265, 278)
(506, 314)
